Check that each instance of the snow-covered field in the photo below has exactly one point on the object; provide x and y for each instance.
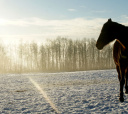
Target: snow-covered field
(64, 93)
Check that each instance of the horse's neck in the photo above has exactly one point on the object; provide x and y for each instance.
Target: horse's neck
(122, 35)
(119, 28)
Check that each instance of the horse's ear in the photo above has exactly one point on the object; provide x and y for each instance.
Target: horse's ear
(110, 20)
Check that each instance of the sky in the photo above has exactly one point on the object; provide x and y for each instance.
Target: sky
(38, 20)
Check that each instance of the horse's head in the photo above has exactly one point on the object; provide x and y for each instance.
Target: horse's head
(106, 35)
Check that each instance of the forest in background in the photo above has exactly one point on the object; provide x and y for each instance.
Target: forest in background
(58, 55)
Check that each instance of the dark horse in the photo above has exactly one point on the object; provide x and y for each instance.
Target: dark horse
(115, 31)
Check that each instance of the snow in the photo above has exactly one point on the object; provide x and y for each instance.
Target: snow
(64, 93)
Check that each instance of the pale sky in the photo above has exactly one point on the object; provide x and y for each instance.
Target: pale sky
(41, 19)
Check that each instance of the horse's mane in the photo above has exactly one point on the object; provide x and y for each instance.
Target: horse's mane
(119, 25)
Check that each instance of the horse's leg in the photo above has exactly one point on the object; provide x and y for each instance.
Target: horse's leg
(118, 71)
(126, 82)
(122, 73)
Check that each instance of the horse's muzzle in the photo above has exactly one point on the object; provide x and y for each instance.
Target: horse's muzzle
(99, 47)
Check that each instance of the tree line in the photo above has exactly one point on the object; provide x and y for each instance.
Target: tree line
(58, 55)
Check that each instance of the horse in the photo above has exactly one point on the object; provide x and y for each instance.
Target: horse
(113, 31)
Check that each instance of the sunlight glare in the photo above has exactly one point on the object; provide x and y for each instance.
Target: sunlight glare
(3, 21)
(44, 94)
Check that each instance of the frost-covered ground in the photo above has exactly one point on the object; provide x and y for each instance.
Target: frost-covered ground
(65, 93)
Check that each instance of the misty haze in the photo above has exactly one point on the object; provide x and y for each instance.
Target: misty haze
(58, 55)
